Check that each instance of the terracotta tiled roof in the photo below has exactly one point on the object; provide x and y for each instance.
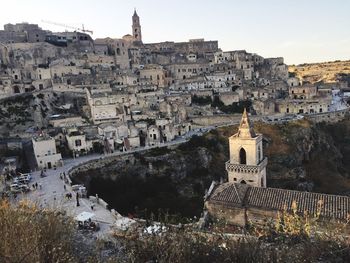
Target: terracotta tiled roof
(331, 206)
(229, 194)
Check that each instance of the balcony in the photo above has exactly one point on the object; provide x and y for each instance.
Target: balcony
(243, 168)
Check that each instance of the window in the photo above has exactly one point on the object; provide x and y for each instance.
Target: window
(242, 156)
(77, 142)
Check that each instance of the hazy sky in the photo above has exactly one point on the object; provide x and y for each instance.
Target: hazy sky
(299, 30)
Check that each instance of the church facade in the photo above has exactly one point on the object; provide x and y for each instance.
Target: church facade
(246, 199)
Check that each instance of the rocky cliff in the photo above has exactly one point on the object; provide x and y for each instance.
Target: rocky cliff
(302, 155)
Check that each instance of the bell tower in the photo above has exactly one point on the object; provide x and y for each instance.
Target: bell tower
(136, 27)
(247, 164)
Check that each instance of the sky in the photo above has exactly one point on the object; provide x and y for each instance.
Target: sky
(301, 31)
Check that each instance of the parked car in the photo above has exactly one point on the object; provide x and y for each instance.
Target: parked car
(21, 180)
(16, 188)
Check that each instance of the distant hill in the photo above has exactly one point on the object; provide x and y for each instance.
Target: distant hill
(325, 71)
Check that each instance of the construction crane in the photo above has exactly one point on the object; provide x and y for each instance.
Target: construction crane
(67, 26)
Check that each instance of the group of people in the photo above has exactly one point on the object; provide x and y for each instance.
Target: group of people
(69, 196)
(63, 176)
(89, 225)
(36, 185)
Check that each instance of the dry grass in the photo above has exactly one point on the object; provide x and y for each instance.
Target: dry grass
(326, 71)
(30, 234)
(277, 145)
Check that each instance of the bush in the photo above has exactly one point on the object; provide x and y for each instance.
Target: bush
(186, 245)
(40, 96)
(30, 234)
(201, 100)
(236, 107)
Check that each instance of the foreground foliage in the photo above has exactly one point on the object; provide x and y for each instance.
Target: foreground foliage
(31, 234)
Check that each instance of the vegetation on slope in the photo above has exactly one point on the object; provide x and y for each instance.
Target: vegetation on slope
(326, 71)
(31, 234)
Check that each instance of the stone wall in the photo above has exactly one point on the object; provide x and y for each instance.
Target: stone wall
(215, 119)
(232, 215)
(242, 216)
(98, 163)
(334, 116)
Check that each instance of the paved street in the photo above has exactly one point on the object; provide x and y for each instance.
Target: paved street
(51, 192)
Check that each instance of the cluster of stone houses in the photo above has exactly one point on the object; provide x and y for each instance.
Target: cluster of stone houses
(140, 94)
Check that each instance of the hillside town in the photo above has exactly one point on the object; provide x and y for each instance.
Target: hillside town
(107, 95)
(85, 95)
(84, 119)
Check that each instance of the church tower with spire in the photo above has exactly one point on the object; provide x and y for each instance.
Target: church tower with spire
(247, 164)
(136, 27)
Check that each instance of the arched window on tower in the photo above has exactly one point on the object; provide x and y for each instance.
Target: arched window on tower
(242, 156)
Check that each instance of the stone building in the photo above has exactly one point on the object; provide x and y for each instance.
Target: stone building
(302, 92)
(77, 143)
(241, 205)
(153, 75)
(302, 106)
(22, 32)
(45, 152)
(153, 135)
(247, 164)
